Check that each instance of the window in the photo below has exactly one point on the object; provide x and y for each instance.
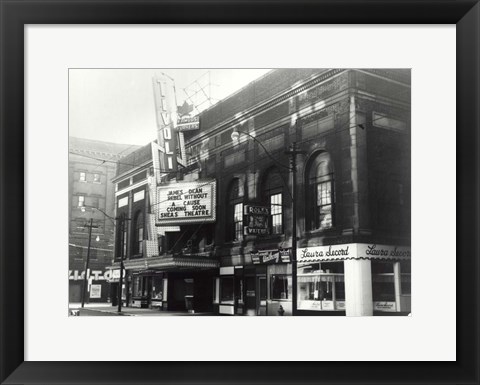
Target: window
(238, 221)
(157, 288)
(389, 122)
(138, 226)
(234, 212)
(139, 177)
(96, 178)
(93, 252)
(321, 286)
(226, 289)
(405, 276)
(81, 200)
(78, 253)
(320, 199)
(83, 177)
(277, 216)
(137, 286)
(273, 196)
(123, 184)
(383, 287)
(281, 286)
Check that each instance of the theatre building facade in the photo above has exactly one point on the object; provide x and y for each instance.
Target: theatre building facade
(216, 234)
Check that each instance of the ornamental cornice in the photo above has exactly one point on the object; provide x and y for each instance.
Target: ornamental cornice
(274, 101)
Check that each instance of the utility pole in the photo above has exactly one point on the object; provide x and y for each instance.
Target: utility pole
(293, 152)
(87, 262)
(122, 251)
(293, 169)
(122, 220)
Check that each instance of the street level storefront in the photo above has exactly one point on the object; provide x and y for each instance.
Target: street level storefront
(356, 279)
(261, 286)
(97, 289)
(169, 283)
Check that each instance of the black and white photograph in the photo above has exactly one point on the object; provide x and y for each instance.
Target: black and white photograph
(239, 192)
(250, 180)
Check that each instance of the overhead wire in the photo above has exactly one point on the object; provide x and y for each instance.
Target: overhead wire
(347, 126)
(335, 131)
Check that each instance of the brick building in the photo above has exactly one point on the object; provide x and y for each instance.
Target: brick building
(91, 197)
(233, 247)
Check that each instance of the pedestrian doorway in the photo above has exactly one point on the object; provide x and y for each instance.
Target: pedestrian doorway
(255, 295)
(250, 296)
(262, 295)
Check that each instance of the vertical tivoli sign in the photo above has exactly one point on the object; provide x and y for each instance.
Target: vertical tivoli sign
(166, 113)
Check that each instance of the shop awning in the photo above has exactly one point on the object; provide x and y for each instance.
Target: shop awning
(352, 251)
(172, 263)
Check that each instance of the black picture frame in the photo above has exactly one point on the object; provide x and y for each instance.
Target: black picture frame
(16, 14)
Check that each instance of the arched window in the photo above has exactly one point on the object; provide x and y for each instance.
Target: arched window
(138, 226)
(234, 212)
(320, 193)
(272, 196)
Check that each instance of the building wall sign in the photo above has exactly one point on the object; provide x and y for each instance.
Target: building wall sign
(186, 202)
(323, 90)
(187, 123)
(138, 196)
(256, 220)
(166, 113)
(352, 251)
(96, 275)
(271, 256)
(374, 250)
(384, 306)
(96, 291)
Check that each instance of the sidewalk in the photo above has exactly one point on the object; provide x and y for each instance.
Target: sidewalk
(78, 305)
(109, 310)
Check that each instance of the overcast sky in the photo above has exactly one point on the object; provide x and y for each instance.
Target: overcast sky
(117, 105)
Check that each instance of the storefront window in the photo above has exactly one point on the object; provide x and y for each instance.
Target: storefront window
(406, 273)
(321, 286)
(157, 288)
(226, 289)
(383, 286)
(137, 286)
(281, 286)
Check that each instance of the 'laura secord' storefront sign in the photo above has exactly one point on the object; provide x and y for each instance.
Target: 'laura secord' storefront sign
(271, 256)
(186, 202)
(352, 251)
(384, 306)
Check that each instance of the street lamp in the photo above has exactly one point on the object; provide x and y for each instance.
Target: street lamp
(122, 219)
(293, 169)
